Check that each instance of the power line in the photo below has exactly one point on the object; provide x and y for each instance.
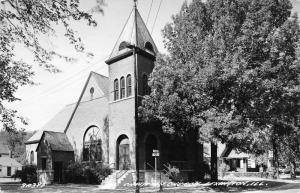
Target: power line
(62, 84)
(149, 12)
(55, 90)
(156, 16)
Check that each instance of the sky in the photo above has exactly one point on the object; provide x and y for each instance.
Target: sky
(39, 103)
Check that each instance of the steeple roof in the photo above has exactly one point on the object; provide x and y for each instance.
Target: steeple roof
(134, 33)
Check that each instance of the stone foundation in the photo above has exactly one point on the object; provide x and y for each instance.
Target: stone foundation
(45, 176)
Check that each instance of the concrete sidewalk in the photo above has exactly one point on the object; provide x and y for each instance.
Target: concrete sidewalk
(9, 180)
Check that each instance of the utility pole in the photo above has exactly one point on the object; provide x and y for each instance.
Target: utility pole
(137, 169)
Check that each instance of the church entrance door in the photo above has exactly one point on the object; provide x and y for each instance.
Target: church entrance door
(123, 157)
(58, 172)
(151, 144)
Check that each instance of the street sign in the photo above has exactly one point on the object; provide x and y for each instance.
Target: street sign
(155, 153)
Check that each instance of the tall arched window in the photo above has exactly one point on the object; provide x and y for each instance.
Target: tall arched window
(128, 85)
(92, 145)
(31, 157)
(116, 89)
(146, 88)
(122, 84)
(149, 46)
(123, 45)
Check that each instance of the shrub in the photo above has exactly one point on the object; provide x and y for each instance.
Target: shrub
(174, 174)
(28, 174)
(86, 172)
(223, 169)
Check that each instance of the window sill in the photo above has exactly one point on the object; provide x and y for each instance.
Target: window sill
(123, 99)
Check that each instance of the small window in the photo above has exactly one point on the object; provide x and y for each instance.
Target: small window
(122, 82)
(238, 163)
(128, 85)
(149, 46)
(8, 171)
(92, 90)
(146, 89)
(31, 157)
(123, 45)
(116, 89)
(44, 163)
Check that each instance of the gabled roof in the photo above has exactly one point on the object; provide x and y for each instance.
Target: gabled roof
(135, 33)
(103, 82)
(57, 141)
(235, 154)
(4, 148)
(231, 153)
(58, 123)
(7, 161)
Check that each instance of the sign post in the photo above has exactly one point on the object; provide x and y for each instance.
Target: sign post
(155, 154)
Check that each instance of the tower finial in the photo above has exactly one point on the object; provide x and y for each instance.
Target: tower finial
(135, 2)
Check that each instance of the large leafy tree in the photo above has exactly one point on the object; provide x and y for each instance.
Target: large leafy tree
(23, 23)
(232, 74)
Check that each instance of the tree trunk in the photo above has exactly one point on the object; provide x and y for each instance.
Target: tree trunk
(293, 169)
(214, 162)
(275, 160)
(200, 161)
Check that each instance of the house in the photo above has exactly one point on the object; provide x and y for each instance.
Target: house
(244, 162)
(8, 165)
(102, 125)
(239, 161)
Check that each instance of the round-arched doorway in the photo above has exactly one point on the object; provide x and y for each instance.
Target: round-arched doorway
(151, 144)
(123, 153)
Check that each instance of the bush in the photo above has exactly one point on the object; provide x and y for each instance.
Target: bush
(174, 174)
(88, 172)
(28, 174)
(223, 169)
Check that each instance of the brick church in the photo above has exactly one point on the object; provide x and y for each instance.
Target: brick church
(102, 125)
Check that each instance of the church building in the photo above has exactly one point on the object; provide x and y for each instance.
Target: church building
(103, 124)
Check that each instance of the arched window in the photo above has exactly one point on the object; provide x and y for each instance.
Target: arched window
(92, 90)
(149, 46)
(128, 85)
(31, 157)
(92, 145)
(116, 89)
(123, 45)
(122, 83)
(146, 89)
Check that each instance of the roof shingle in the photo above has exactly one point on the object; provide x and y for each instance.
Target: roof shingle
(58, 141)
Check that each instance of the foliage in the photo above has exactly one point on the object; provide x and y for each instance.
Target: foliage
(232, 74)
(223, 169)
(23, 23)
(262, 160)
(16, 141)
(174, 174)
(27, 174)
(86, 172)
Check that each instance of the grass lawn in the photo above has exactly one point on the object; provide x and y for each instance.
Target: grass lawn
(80, 188)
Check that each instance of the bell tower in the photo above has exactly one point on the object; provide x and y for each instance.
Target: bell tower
(130, 63)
